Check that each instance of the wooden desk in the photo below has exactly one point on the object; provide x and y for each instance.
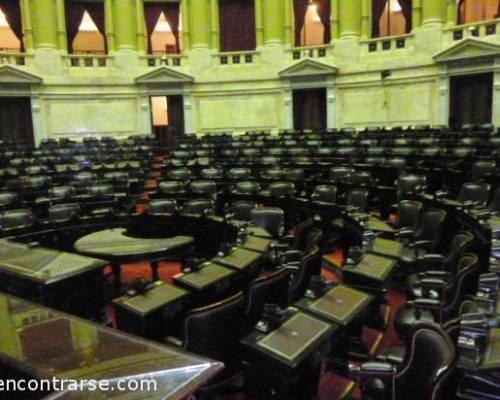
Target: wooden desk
(372, 270)
(341, 304)
(49, 344)
(378, 225)
(65, 281)
(387, 248)
(260, 232)
(115, 246)
(285, 363)
(207, 282)
(257, 243)
(240, 259)
(146, 314)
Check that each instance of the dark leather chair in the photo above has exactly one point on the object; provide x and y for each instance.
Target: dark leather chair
(239, 174)
(425, 240)
(423, 375)
(198, 208)
(409, 185)
(206, 189)
(162, 207)
(270, 218)
(357, 199)
(407, 217)
(302, 273)
(338, 174)
(180, 174)
(16, 221)
(214, 331)
(212, 173)
(282, 190)
(246, 188)
(477, 193)
(444, 297)
(101, 192)
(64, 213)
(272, 174)
(325, 194)
(8, 200)
(61, 193)
(483, 169)
(494, 205)
(170, 188)
(440, 266)
(271, 289)
(241, 210)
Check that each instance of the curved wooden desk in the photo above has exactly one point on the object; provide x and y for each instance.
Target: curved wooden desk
(118, 248)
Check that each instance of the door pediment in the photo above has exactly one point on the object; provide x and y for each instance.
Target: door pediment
(470, 48)
(162, 75)
(13, 75)
(307, 69)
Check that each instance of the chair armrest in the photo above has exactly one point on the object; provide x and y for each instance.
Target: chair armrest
(421, 244)
(426, 303)
(376, 368)
(293, 255)
(405, 232)
(434, 273)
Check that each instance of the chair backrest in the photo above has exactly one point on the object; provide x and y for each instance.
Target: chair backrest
(461, 243)
(325, 193)
(270, 218)
(171, 187)
(64, 212)
(494, 205)
(61, 192)
(246, 187)
(162, 207)
(282, 189)
(16, 219)
(358, 197)
(8, 199)
(212, 173)
(203, 188)
(307, 235)
(179, 174)
(431, 227)
(429, 358)
(242, 210)
(273, 288)
(215, 330)
(409, 184)
(101, 191)
(478, 192)
(340, 173)
(309, 267)
(198, 207)
(239, 174)
(481, 169)
(409, 212)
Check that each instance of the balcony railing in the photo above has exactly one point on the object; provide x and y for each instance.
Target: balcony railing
(317, 51)
(238, 57)
(7, 57)
(476, 29)
(171, 60)
(87, 60)
(387, 43)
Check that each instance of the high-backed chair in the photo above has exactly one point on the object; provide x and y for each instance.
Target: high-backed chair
(474, 192)
(271, 219)
(162, 207)
(482, 169)
(440, 266)
(494, 205)
(407, 217)
(212, 173)
(171, 188)
(409, 185)
(282, 189)
(64, 213)
(8, 200)
(241, 210)
(16, 221)
(203, 188)
(425, 240)
(325, 194)
(357, 199)
(239, 174)
(179, 174)
(270, 289)
(198, 208)
(423, 375)
(245, 188)
(302, 274)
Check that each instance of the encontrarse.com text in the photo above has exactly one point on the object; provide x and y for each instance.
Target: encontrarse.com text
(76, 385)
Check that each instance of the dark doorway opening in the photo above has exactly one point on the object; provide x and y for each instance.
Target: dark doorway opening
(471, 98)
(309, 109)
(167, 116)
(16, 124)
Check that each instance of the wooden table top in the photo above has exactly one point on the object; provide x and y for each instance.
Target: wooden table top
(208, 274)
(115, 243)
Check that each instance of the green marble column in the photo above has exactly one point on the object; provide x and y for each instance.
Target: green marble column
(416, 15)
(259, 29)
(350, 18)
(27, 24)
(366, 19)
(273, 19)
(288, 22)
(186, 42)
(334, 19)
(62, 38)
(44, 16)
(451, 12)
(214, 25)
(125, 26)
(110, 28)
(199, 23)
(433, 12)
